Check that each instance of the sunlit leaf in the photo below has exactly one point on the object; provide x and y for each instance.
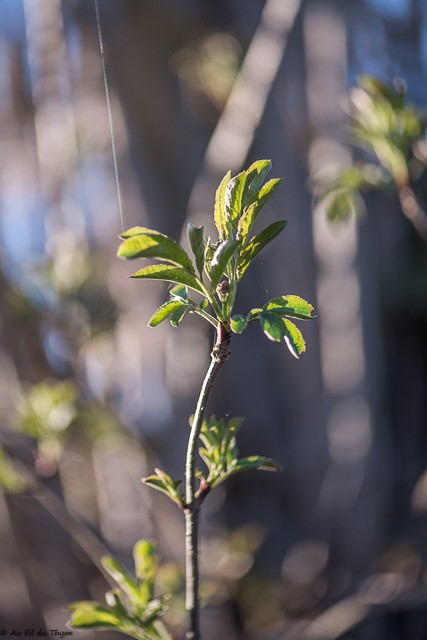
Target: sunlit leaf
(153, 244)
(272, 325)
(234, 199)
(238, 323)
(93, 615)
(145, 559)
(255, 176)
(230, 454)
(250, 214)
(253, 314)
(178, 315)
(209, 254)
(121, 577)
(180, 292)
(258, 243)
(220, 259)
(293, 338)
(219, 211)
(292, 306)
(165, 311)
(197, 242)
(169, 274)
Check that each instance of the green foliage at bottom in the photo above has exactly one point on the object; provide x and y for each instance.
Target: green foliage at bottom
(131, 607)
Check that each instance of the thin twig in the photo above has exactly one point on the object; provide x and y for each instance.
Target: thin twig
(219, 355)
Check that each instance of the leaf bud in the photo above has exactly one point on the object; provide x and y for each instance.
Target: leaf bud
(223, 289)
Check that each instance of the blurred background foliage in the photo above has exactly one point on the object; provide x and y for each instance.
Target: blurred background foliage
(92, 400)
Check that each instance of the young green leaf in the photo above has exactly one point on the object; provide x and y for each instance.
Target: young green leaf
(164, 311)
(197, 242)
(220, 452)
(160, 631)
(131, 608)
(145, 559)
(180, 292)
(234, 199)
(169, 274)
(209, 254)
(253, 314)
(255, 176)
(178, 315)
(230, 454)
(114, 600)
(238, 323)
(292, 306)
(255, 462)
(259, 462)
(220, 259)
(121, 577)
(219, 211)
(153, 244)
(258, 243)
(272, 325)
(155, 609)
(92, 615)
(293, 338)
(164, 483)
(251, 212)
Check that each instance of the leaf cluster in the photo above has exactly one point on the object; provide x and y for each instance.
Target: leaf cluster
(238, 202)
(221, 455)
(274, 320)
(164, 483)
(131, 607)
(382, 124)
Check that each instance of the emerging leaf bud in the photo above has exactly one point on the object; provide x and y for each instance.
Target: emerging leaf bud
(222, 289)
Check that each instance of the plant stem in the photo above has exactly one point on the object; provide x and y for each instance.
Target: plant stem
(207, 316)
(219, 355)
